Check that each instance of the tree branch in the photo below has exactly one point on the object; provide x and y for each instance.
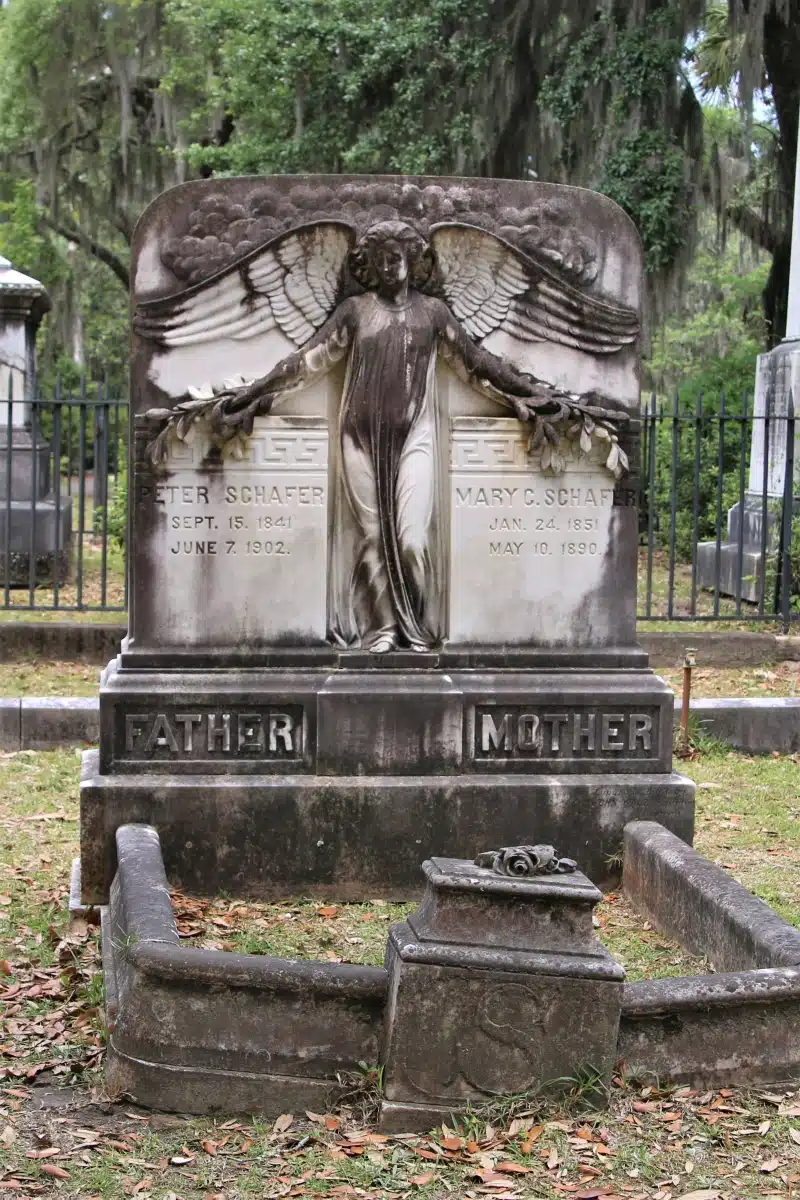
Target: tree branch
(91, 246)
(759, 231)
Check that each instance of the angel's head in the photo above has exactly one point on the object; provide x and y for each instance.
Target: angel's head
(390, 253)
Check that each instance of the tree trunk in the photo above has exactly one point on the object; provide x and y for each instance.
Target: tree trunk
(781, 58)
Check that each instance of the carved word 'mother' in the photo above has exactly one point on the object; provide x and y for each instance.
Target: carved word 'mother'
(512, 732)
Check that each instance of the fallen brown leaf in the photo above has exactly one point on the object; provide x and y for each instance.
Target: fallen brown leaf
(531, 1136)
(513, 1168)
(423, 1180)
(56, 1172)
(770, 1165)
(284, 1122)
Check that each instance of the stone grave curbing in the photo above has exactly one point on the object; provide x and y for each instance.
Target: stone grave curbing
(208, 1031)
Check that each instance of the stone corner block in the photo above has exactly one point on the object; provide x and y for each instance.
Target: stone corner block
(10, 723)
(50, 721)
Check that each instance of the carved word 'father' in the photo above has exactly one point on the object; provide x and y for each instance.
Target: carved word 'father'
(201, 734)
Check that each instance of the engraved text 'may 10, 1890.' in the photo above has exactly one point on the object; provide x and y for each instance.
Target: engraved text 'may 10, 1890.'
(529, 551)
(240, 549)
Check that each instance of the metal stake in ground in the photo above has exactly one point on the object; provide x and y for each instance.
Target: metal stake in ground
(689, 661)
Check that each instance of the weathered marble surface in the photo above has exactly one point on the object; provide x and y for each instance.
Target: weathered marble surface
(237, 551)
(534, 558)
(585, 596)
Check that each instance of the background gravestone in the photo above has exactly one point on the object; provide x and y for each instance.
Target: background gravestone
(35, 522)
(383, 599)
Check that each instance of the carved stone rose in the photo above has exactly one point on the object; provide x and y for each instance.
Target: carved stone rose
(521, 861)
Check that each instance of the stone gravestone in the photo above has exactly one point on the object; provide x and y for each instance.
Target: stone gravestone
(737, 569)
(384, 537)
(739, 566)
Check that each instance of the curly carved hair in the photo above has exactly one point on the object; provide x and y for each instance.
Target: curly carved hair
(418, 253)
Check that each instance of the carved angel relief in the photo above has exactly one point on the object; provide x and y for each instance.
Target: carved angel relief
(389, 302)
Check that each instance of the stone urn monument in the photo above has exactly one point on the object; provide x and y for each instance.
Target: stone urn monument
(384, 537)
(35, 523)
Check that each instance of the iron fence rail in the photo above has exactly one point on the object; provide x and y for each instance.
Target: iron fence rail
(696, 494)
(711, 546)
(62, 462)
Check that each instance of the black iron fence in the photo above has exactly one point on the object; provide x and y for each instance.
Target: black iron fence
(63, 500)
(719, 527)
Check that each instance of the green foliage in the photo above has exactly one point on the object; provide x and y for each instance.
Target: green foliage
(21, 240)
(646, 176)
(89, 316)
(102, 107)
(627, 72)
(702, 358)
(718, 52)
(712, 342)
(349, 89)
(117, 521)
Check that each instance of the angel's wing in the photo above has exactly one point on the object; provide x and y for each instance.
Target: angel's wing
(294, 281)
(490, 285)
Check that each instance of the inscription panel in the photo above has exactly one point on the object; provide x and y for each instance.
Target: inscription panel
(239, 549)
(531, 554)
(550, 736)
(205, 736)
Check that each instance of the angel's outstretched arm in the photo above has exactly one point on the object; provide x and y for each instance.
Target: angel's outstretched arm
(494, 376)
(328, 345)
(234, 408)
(533, 400)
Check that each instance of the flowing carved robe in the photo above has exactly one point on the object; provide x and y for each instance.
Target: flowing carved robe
(388, 540)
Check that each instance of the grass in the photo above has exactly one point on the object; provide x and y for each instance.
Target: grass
(29, 677)
(778, 679)
(682, 606)
(748, 819)
(298, 928)
(647, 1145)
(32, 677)
(94, 599)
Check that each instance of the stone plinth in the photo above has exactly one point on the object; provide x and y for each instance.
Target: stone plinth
(339, 775)
(496, 985)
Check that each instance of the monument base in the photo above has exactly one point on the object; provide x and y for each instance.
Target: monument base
(739, 570)
(361, 837)
(269, 781)
(36, 537)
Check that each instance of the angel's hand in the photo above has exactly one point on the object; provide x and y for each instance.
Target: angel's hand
(237, 408)
(521, 409)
